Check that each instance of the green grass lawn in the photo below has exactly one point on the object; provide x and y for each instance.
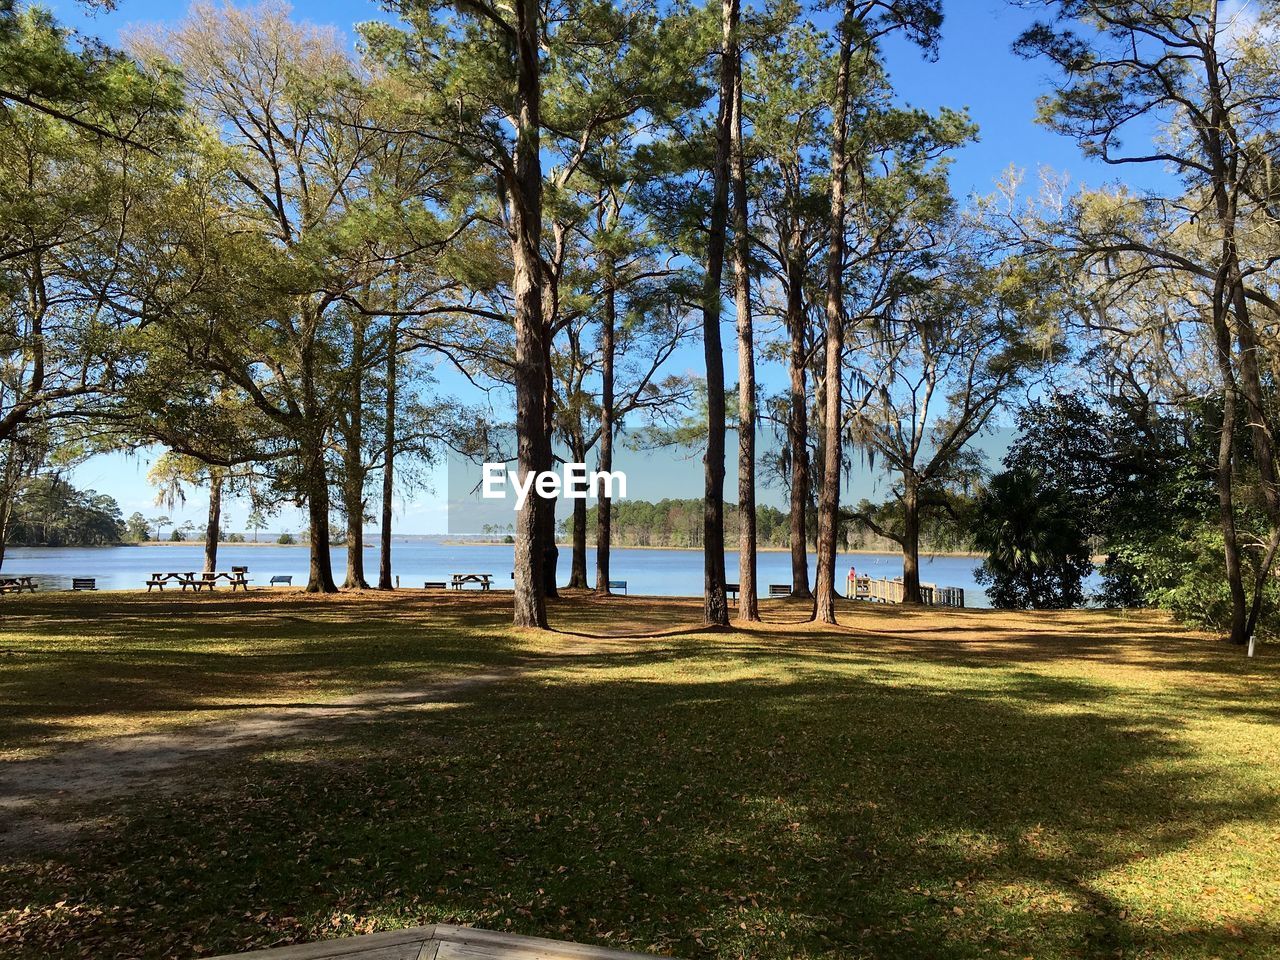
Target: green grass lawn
(913, 785)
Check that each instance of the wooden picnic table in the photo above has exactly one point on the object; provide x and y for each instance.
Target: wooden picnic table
(159, 580)
(16, 584)
(483, 580)
(198, 581)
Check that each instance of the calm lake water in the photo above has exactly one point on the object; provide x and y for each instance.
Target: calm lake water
(673, 573)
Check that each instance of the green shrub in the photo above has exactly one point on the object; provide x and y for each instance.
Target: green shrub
(1037, 551)
(1182, 571)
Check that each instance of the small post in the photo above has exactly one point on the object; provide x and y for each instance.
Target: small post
(1249, 649)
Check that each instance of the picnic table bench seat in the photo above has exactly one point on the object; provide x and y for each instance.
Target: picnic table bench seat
(234, 579)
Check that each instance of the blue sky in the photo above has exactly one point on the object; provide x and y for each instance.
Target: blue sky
(975, 69)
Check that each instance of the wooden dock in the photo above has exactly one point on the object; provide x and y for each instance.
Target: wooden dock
(891, 591)
(438, 942)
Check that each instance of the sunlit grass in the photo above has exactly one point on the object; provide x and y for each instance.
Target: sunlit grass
(913, 784)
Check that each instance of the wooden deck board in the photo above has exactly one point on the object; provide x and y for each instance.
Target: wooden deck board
(439, 942)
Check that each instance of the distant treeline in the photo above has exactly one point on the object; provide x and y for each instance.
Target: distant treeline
(52, 513)
(678, 523)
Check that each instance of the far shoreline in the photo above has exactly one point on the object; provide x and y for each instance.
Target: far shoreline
(467, 542)
(200, 543)
(729, 548)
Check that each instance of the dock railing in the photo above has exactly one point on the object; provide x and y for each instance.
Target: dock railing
(884, 590)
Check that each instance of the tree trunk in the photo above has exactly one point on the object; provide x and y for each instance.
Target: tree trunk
(550, 551)
(547, 518)
(525, 200)
(6, 514)
(578, 564)
(1259, 420)
(1250, 384)
(1224, 474)
(353, 507)
(910, 541)
(604, 504)
(388, 460)
(1229, 295)
(824, 607)
(8, 491)
(715, 608)
(798, 427)
(547, 539)
(353, 461)
(354, 496)
(748, 603)
(1227, 523)
(315, 473)
(213, 526)
(320, 575)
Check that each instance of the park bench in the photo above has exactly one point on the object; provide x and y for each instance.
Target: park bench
(84, 583)
(779, 590)
(16, 584)
(282, 579)
(731, 591)
(483, 580)
(618, 585)
(434, 585)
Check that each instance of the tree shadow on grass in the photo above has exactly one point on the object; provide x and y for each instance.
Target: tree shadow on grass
(653, 806)
(143, 657)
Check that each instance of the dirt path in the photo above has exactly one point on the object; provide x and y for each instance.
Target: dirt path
(42, 801)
